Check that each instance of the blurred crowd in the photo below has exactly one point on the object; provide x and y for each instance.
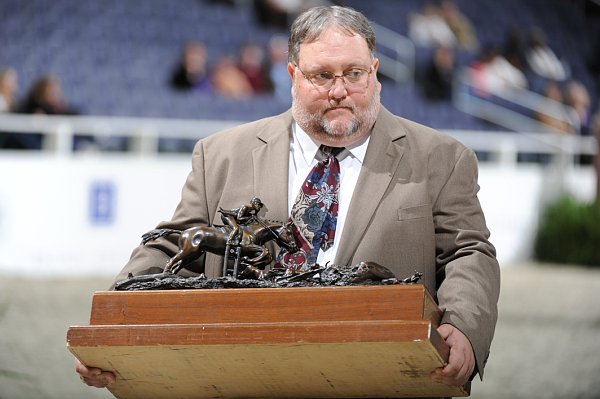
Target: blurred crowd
(45, 96)
(254, 71)
(523, 62)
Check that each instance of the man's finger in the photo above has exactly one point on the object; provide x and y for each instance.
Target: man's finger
(94, 376)
(461, 359)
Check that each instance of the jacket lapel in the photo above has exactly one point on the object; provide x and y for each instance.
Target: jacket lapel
(270, 162)
(379, 167)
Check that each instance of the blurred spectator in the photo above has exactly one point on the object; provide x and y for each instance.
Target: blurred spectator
(542, 60)
(437, 78)
(8, 103)
(192, 70)
(515, 47)
(578, 97)
(477, 70)
(593, 62)
(8, 89)
(229, 81)
(494, 74)
(253, 64)
(460, 25)
(46, 97)
(279, 76)
(429, 29)
(555, 115)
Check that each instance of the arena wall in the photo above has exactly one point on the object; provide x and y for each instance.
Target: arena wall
(82, 215)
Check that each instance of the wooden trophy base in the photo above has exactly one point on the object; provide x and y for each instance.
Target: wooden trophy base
(322, 342)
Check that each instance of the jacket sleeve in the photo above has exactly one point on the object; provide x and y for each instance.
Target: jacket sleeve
(468, 273)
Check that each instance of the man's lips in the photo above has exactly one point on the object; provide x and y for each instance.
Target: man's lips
(338, 108)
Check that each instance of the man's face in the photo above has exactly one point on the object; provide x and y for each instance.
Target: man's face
(341, 115)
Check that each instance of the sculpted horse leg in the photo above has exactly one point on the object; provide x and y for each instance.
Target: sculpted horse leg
(261, 259)
(189, 250)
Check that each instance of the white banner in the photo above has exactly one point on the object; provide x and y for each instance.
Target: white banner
(83, 214)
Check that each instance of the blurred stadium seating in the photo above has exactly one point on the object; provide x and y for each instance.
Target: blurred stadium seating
(114, 57)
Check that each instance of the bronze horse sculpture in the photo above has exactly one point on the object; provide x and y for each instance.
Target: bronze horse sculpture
(197, 240)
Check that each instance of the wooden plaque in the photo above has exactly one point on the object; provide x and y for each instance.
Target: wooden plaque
(369, 341)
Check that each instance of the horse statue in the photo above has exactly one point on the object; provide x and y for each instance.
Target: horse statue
(251, 251)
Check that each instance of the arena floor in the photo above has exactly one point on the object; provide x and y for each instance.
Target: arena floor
(547, 341)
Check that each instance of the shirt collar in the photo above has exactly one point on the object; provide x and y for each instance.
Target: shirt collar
(308, 148)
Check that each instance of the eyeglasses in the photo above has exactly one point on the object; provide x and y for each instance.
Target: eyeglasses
(353, 78)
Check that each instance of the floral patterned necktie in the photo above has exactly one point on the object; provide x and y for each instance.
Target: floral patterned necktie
(314, 214)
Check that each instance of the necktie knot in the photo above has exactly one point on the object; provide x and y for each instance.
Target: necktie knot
(325, 152)
(331, 150)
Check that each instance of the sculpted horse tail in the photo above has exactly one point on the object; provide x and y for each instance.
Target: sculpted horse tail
(156, 234)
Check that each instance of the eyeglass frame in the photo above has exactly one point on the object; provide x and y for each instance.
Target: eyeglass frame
(309, 77)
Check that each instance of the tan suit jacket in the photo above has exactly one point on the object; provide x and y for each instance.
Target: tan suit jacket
(415, 208)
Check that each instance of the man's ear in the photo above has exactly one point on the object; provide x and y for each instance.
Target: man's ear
(291, 70)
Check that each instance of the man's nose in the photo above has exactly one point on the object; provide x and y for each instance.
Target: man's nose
(338, 88)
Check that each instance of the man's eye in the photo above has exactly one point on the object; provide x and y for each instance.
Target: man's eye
(323, 76)
(354, 74)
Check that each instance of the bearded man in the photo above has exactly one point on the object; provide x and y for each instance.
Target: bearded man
(392, 191)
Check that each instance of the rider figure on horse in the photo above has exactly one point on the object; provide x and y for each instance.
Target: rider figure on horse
(244, 215)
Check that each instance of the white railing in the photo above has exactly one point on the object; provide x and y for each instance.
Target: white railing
(401, 67)
(143, 136)
(58, 132)
(505, 147)
(474, 100)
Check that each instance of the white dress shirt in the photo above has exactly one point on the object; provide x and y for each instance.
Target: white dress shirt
(302, 159)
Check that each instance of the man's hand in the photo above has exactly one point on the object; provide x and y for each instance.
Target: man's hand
(93, 376)
(461, 362)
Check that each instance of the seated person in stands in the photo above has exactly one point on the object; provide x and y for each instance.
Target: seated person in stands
(542, 60)
(279, 78)
(192, 70)
(577, 96)
(253, 65)
(8, 103)
(548, 117)
(8, 89)
(460, 25)
(495, 74)
(46, 97)
(229, 81)
(436, 80)
(429, 29)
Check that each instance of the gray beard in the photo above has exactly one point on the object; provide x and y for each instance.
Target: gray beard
(315, 124)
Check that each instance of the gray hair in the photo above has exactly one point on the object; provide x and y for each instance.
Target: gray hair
(312, 23)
